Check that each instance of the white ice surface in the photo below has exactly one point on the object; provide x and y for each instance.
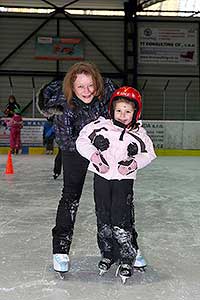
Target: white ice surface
(168, 222)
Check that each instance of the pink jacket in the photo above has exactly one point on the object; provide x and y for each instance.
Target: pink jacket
(117, 150)
(16, 122)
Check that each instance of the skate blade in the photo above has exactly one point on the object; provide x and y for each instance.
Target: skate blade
(124, 279)
(61, 275)
(102, 272)
(117, 271)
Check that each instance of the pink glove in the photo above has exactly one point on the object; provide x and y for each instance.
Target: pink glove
(127, 167)
(99, 162)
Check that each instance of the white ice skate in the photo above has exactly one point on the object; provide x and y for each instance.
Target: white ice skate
(124, 271)
(61, 264)
(104, 265)
(140, 262)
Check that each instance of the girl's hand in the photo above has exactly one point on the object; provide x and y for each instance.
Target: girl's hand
(99, 162)
(127, 166)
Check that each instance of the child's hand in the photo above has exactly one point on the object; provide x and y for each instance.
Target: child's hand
(99, 162)
(127, 166)
(101, 143)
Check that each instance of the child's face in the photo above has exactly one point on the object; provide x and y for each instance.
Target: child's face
(11, 100)
(123, 112)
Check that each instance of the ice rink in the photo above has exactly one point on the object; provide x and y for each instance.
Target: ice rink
(167, 200)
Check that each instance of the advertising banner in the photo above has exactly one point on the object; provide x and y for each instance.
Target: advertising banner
(55, 48)
(167, 46)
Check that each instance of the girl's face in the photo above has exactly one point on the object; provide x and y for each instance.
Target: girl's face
(11, 100)
(123, 112)
(84, 88)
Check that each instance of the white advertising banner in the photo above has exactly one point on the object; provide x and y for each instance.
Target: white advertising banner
(167, 46)
(156, 130)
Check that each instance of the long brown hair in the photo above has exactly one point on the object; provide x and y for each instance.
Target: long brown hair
(83, 67)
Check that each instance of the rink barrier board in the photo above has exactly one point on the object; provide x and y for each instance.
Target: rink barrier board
(159, 152)
(177, 152)
(169, 137)
(29, 150)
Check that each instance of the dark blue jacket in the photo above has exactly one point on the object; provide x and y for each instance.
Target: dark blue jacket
(48, 130)
(69, 121)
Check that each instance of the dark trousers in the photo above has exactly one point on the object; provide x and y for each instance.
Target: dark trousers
(74, 172)
(58, 162)
(114, 207)
(49, 144)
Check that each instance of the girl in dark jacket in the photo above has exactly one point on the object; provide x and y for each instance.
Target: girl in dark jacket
(11, 107)
(82, 97)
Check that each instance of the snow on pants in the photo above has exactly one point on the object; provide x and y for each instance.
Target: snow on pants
(114, 207)
(74, 172)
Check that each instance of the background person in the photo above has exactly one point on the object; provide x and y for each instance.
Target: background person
(11, 106)
(15, 124)
(49, 135)
(57, 164)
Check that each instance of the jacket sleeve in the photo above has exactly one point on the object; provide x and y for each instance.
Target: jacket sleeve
(109, 87)
(50, 99)
(144, 158)
(84, 143)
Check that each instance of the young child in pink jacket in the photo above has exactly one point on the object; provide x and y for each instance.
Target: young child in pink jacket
(116, 148)
(15, 124)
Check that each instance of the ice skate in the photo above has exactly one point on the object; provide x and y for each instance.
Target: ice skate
(140, 262)
(124, 271)
(104, 265)
(61, 264)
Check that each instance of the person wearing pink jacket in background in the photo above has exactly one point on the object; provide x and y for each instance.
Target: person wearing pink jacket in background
(15, 124)
(116, 148)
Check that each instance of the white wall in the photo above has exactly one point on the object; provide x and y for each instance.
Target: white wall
(174, 134)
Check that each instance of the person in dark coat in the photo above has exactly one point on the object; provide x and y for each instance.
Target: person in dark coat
(57, 164)
(80, 98)
(49, 135)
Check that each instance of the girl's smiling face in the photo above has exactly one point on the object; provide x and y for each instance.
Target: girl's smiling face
(123, 111)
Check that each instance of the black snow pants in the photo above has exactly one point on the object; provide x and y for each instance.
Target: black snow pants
(114, 207)
(74, 172)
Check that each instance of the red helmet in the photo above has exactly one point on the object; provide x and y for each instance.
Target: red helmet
(130, 94)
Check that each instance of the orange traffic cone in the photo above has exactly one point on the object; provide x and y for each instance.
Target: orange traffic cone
(9, 164)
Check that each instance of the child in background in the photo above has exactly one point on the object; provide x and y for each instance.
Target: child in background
(49, 135)
(11, 106)
(116, 149)
(15, 124)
